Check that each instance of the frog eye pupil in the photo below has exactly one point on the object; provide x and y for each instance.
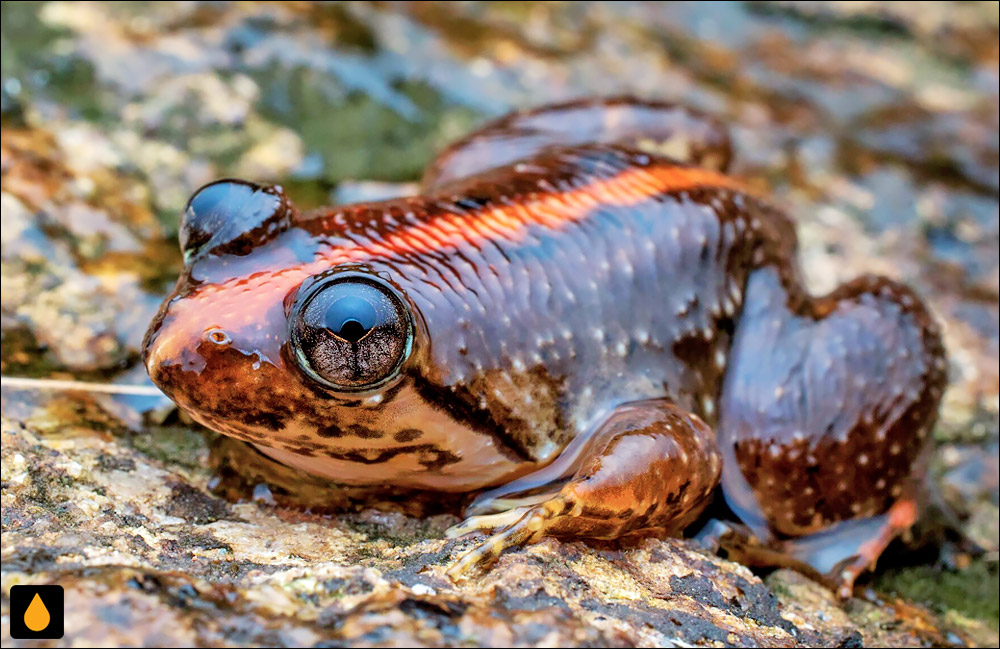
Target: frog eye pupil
(351, 318)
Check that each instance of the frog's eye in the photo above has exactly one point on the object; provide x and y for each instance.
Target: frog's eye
(350, 331)
(232, 216)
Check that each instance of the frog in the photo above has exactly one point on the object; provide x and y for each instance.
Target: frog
(583, 319)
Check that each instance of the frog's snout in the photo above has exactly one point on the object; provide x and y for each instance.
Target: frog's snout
(169, 349)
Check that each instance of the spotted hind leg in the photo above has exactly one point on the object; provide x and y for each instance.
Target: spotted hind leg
(650, 468)
(825, 419)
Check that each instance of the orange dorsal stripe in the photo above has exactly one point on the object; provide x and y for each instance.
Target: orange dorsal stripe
(452, 229)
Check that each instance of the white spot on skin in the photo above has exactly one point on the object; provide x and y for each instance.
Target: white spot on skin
(863, 459)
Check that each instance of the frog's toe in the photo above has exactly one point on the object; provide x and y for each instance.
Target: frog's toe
(486, 523)
(516, 528)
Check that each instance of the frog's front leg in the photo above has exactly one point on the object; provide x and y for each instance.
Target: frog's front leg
(650, 468)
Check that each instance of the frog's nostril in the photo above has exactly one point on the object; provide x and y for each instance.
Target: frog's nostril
(218, 336)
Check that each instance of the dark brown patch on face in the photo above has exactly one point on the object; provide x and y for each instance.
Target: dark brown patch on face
(462, 408)
(330, 432)
(351, 430)
(435, 459)
(431, 456)
(407, 435)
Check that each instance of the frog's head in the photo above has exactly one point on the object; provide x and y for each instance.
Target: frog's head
(249, 297)
(281, 333)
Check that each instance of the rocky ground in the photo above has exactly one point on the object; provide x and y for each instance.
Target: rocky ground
(875, 124)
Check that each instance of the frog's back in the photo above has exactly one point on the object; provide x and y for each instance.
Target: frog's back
(555, 291)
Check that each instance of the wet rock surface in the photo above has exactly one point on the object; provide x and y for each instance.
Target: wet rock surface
(876, 126)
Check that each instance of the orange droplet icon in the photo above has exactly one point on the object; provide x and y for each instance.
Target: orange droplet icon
(36, 617)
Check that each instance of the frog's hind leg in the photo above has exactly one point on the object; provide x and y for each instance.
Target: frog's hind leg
(825, 418)
(650, 468)
(655, 127)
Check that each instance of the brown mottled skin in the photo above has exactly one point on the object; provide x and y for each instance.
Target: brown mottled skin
(562, 317)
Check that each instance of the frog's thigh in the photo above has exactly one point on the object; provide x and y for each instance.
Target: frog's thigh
(658, 128)
(650, 468)
(826, 408)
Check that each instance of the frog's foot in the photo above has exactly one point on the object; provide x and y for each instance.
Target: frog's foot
(836, 556)
(487, 522)
(649, 468)
(737, 542)
(845, 551)
(516, 527)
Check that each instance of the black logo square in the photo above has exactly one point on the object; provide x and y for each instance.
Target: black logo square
(36, 612)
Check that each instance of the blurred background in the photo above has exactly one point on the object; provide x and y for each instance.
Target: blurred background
(875, 124)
